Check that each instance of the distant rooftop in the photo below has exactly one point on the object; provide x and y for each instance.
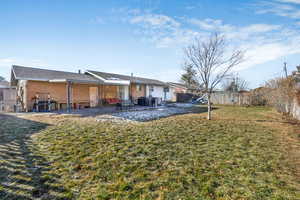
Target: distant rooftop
(4, 84)
(182, 85)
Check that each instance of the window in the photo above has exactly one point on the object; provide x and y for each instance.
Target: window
(138, 87)
(121, 92)
(151, 88)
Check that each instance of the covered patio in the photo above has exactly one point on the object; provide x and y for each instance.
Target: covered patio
(42, 90)
(78, 95)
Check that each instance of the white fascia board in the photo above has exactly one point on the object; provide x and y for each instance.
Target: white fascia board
(73, 81)
(99, 77)
(118, 82)
(12, 69)
(58, 80)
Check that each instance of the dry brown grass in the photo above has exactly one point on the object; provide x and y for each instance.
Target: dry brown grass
(243, 153)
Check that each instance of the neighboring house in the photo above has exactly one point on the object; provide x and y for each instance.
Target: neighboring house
(4, 84)
(7, 97)
(179, 88)
(174, 89)
(66, 90)
(139, 87)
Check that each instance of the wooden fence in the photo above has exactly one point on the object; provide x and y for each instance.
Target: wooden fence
(231, 98)
(8, 99)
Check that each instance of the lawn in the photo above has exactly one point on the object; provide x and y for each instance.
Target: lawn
(24, 175)
(244, 153)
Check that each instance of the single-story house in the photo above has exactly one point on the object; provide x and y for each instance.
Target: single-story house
(7, 97)
(139, 87)
(67, 90)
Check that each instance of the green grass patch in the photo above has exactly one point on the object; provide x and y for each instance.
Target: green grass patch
(180, 157)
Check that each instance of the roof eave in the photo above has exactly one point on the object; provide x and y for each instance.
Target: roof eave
(109, 82)
(74, 81)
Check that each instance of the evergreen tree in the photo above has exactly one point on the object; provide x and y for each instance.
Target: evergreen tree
(189, 76)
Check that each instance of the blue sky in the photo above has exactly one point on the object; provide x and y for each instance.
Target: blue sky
(146, 37)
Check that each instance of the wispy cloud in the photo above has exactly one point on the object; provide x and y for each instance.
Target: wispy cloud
(7, 60)
(282, 8)
(263, 42)
(210, 24)
(290, 1)
(190, 7)
(155, 21)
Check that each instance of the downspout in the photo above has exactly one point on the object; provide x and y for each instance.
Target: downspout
(130, 88)
(25, 96)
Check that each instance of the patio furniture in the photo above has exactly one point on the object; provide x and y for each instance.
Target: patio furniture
(45, 106)
(124, 105)
(112, 101)
(143, 101)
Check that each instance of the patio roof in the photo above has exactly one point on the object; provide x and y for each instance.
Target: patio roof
(110, 77)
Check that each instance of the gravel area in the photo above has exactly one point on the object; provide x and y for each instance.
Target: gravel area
(110, 114)
(142, 116)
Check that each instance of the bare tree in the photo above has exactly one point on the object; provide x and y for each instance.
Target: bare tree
(280, 93)
(211, 61)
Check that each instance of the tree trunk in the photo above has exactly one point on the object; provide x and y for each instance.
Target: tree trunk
(208, 108)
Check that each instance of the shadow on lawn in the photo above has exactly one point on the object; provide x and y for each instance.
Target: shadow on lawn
(23, 173)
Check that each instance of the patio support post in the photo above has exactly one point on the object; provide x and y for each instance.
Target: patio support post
(68, 96)
(130, 88)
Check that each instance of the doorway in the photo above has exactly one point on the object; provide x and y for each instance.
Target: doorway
(94, 96)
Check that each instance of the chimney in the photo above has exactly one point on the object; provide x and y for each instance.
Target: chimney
(79, 71)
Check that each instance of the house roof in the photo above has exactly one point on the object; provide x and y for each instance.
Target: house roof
(133, 79)
(29, 73)
(4, 84)
(178, 85)
(181, 85)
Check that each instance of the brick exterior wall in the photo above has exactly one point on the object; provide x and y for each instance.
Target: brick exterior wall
(80, 93)
(109, 91)
(57, 92)
(137, 93)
